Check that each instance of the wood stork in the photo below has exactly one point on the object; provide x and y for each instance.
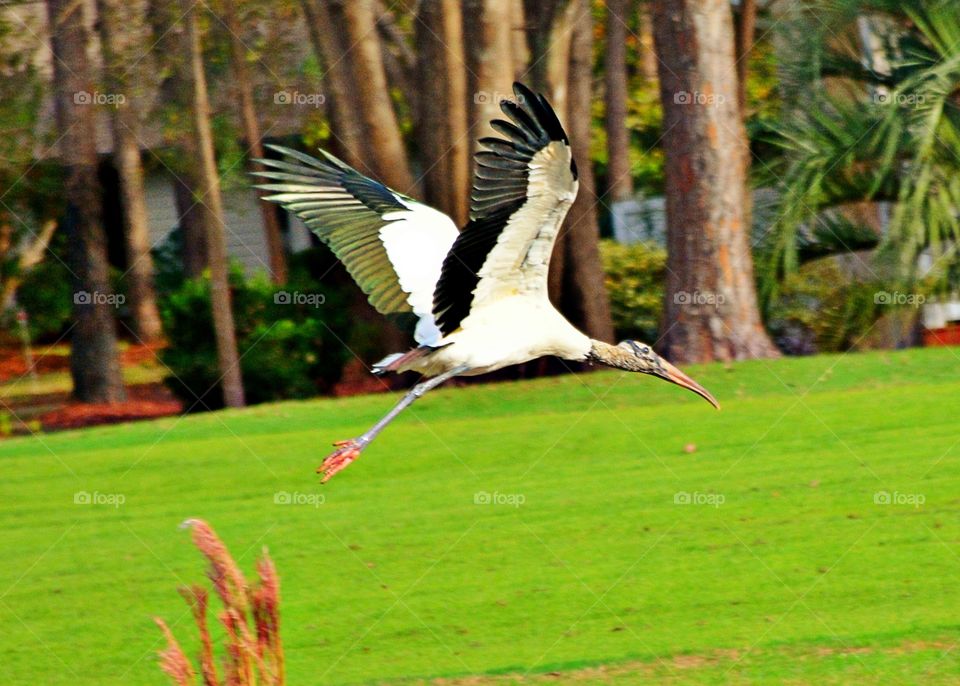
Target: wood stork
(476, 300)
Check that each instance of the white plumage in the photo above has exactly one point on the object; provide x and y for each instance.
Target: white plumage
(416, 241)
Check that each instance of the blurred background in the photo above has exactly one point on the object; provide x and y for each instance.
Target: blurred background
(757, 179)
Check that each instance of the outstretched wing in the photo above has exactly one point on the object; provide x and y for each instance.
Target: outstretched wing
(523, 186)
(391, 245)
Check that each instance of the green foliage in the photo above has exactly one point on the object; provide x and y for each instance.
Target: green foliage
(634, 277)
(867, 133)
(820, 308)
(289, 348)
(46, 294)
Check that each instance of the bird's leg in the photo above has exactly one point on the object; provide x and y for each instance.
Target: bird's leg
(348, 451)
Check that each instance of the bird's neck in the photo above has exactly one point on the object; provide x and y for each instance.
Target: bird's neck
(614, 356)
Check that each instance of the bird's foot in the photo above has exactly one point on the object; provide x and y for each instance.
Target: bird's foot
(340, 459)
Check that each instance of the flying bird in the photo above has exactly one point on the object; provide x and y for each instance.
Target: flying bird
(474, 300)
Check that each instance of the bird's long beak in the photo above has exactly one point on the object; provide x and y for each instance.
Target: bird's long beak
(674, 375)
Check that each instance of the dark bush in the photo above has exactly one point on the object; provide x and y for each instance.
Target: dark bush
(46, 294)
(288, 339)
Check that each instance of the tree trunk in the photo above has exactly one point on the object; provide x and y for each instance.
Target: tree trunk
(94, 364)
(399, 59)
(253, 140)
(648, 52)
(544, 38)
(492, 67)
(386, 154)
(746, 29)
(126, 158)
(329, 46)
(619, 179)
(176, 96)
(520, 49)
(192, 231)
(548, 33)
(210, 206)
(711, 304)
(584, 291)
(442, 120)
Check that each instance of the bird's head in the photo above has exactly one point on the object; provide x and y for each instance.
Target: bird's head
(634, 356)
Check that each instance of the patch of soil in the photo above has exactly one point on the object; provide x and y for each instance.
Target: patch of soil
(147, 401)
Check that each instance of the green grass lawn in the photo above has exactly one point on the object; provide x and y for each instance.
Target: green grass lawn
(784, 568)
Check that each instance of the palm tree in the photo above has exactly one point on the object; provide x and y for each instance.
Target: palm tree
(876, 117)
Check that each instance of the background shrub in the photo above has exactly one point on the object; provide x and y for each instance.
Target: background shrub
(822, 308)
(635, 277)
(288, 348)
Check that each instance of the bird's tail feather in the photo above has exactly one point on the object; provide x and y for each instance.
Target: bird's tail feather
(395, 361)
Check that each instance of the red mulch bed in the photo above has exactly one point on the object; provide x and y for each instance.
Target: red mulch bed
(14, 366)
(147, 401)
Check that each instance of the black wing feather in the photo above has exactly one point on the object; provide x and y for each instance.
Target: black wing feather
(499, 190)
(344, 209)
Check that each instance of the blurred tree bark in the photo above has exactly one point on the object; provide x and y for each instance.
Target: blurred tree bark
(746, 28)
(560, 37)
(194, 249)
(125, 120)
(584, 295)
(253, 139)
(176, 97)
(210, 207)
(329, 46)
(548, 40)
(399, 58)
(711, 304)
(489, 42)
(619, 179)
(387, 156)
(518, 37)
(442, 118)
(94, 365)
(648, 52)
